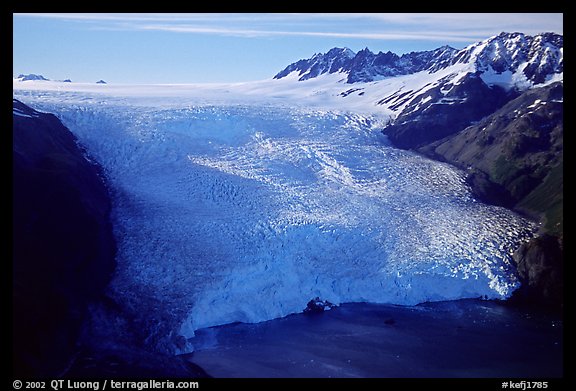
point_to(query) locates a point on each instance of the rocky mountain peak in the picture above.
(529, 60)
(535, 58)
(365, 65)
(31, 76)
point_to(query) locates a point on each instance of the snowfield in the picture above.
(241, 203)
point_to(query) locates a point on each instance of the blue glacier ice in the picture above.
(244, 213)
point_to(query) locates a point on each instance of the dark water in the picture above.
(467, 338)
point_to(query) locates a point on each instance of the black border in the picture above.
(336, 7)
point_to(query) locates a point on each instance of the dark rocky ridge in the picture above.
(445, 114)
(537, 57)
(365, 65)
(63, 247)
(541, 269)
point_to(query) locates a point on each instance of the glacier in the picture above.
(244, 211)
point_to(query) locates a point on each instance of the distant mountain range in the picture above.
(433, 94)
(30, 76)
(529, 59)
(35, 77)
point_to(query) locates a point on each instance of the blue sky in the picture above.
(192, 48)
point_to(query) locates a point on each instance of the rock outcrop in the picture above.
(317, 306)
(31, 76)
(540, 267)
(445, 113)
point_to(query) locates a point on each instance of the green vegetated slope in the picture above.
(518, 150)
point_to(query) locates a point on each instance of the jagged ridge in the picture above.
(366, 66)
(533, 58)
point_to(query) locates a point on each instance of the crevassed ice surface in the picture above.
(245, 213)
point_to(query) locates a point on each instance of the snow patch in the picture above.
(536, 103)
(20, 113)
(553, 78)
(507, 79)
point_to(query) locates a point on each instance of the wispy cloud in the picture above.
(252, 33)
(455, 27)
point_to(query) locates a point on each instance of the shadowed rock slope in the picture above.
(63, 247)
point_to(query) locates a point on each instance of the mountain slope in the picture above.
(432, 94)
(508, 58)
(63, 246)
(518, 147)
(494, 71)
(444, 110)
(366, 66)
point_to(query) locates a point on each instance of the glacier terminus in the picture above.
(245, 212)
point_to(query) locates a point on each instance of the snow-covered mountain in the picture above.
(335, 60)
(506, 57)
(517, 57)
(30, 76)
(432, 94)
(366, 66)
